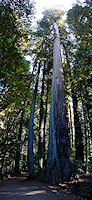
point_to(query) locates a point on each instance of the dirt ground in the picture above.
(18, 188)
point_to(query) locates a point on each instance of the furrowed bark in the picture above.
(58, 160)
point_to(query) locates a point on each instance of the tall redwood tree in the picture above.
(58, 160)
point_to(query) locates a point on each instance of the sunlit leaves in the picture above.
(14, 74)
(80, 22)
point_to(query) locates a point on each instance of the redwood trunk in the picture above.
(58, 160)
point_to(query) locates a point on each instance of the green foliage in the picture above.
(15, 80)
(11, 141)
(15, 77)
(54, 14)
(79, 20)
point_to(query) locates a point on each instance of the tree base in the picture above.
(55, 172)
(31, 176)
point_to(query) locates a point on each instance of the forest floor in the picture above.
(20, 188)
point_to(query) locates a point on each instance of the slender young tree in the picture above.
(17, 158)
(41, 121)
(45, 117)
(58, 159)
(30, 136)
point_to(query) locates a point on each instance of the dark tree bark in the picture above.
(78, 132)
(58, 161)
(90, 131)
(30, 136)
(86, 142)
(17, 159)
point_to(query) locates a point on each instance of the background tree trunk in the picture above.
(78, 132)
(41, 124)
(70, 126)
(30, 136)
(45, 116)
(58, 159)
(17, 158)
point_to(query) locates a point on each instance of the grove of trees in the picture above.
(46, 107)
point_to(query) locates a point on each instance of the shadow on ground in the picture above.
(18, 188)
